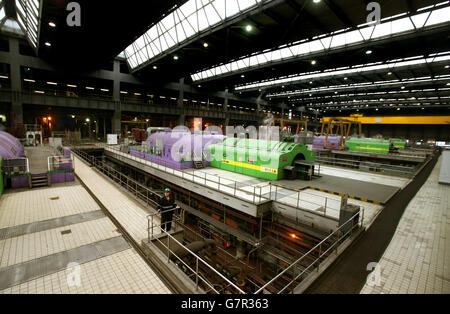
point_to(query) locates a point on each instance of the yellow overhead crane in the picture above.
(412, 120)
(343, 127)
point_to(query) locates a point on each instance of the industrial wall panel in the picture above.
(444, 177)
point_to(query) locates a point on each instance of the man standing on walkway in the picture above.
(167, 207)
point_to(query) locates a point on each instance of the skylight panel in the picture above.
(193, 17)
(28, 17)
(390, 27)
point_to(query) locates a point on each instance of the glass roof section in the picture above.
(389, 27)
(28, 17)
(183, 24)
(360, 69)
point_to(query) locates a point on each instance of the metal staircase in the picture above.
(39, 180)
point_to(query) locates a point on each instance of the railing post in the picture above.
(196, 277)
(153, 226)
(254, 194)
(148, 230)
(298, 199)
(235, 187)
(326, 203)
(168, 246)
(276, 192)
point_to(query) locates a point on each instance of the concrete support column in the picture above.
(16, 83)
(182, 119)
(117, 116)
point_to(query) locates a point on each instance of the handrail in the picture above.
(150, 219)
(254, 196)
(198, 258)
(194, 174)
(318, 246)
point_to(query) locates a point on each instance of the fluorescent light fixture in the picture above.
(192, 19)
(104, 90)
(39, 92)
(52, 83)
(48, 44)
(4, 77)
(70, 85)
(356, 70)
(364, 34)
(122, 92)
(29, 80)
(352, 87)
(51, 24)
(90, 88)
(137, 94)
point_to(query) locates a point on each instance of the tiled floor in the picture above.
(130, 214)
(31, 246)
(418, 257)
(18, 208)
(124, 272)
(121, 272)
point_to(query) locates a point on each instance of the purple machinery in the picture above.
(10, 147)
(333, 142)
(14, 165)
(177, 149)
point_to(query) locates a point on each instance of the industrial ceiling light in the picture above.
(155, 67)
(242, 75)
(249, 28)
(389, 73)
(314, 62)
(51, 24)
(175, 57)
(48, 44)
(316, 1)
(206, 45)
(369, 52)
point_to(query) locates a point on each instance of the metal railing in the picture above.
(143, 192)
(328, 204)
(198, 260)
(9, 169)
(400, 171)
(316, 254)
(253, 195)
(137, 189)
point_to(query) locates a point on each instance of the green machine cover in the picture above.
(258, 158)
(373, 145)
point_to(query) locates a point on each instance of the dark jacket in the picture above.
(167, 204)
